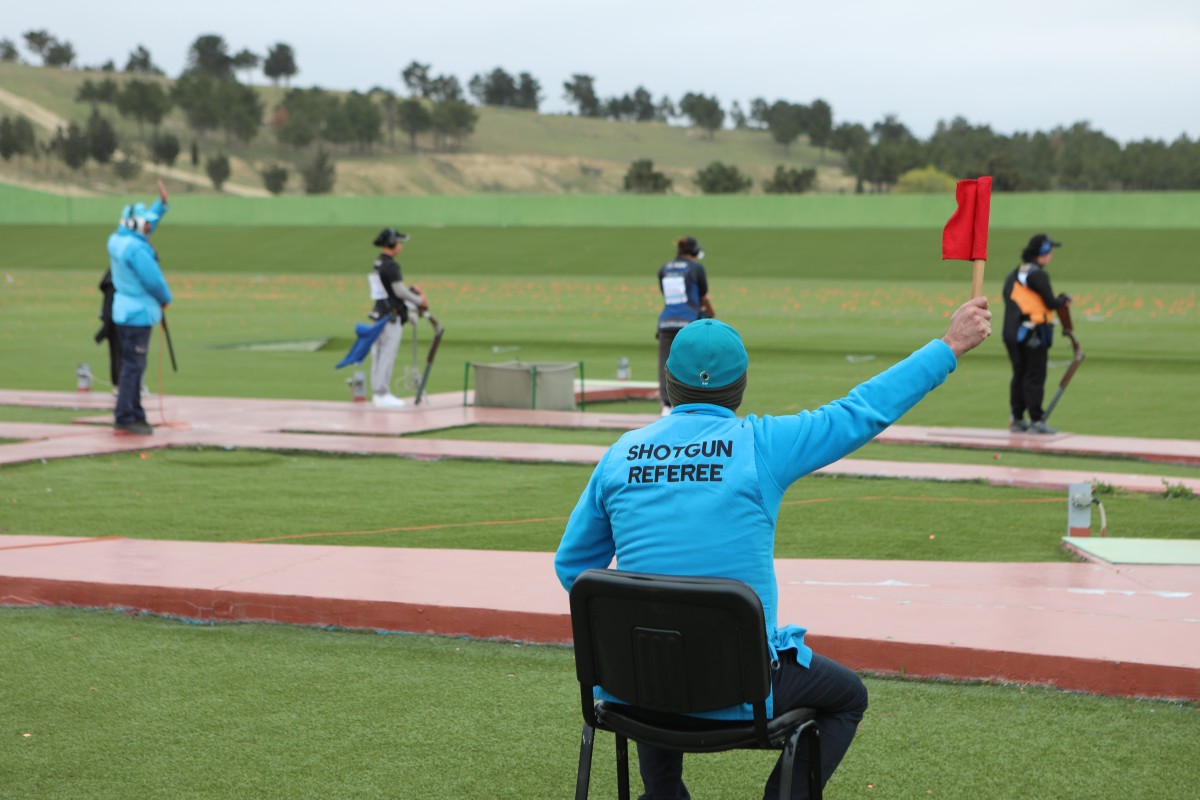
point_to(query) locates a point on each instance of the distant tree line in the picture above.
(1076, 158)
(718, 178)
(212, 100)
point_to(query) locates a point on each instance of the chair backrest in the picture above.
(669, 643)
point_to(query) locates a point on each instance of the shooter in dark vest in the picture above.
(684, 287)
(391, 298)
(1029, 303)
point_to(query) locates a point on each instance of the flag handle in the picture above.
(977, 278)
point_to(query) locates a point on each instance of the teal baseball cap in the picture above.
(707, 354)
(140, 211)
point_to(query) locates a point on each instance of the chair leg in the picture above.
(815, 789)
(622, 767)
(787, 763)
(584, 776)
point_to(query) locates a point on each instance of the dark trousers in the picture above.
(665, 337)
(114, 354)
(1028, 385)
(835, 691)
(135, 344)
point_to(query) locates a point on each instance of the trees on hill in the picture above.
(53, 51)
(790, 181)
(71, 147)
(209, 57)
(210, 98)
(720, 178)
(197, 96)
(704, 112)
(413, 118)
(319, 174)
(581, 90)
(210, 104)
(642, 178)
(820, 124)
(101, 138)
(38, 42)
(636, 107)
(306, 116)
(785, 122)
(275, 178)
(16, 137)
(453, 120)
(140, 62)
(363, 121)
(498, 88)
(280, 63)
(164, 149)
(246, 61)
(444, 88)
(95, 93)
(143, 101)
(218, 170)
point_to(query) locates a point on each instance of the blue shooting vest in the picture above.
(681, 293)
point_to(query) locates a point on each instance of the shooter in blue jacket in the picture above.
(698, 493)
(141, 295)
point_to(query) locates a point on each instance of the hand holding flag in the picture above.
(965, 236)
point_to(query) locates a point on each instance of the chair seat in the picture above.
(696, 734)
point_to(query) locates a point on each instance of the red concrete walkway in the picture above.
(1091, 627)
(1113, 630)
(1166, 451)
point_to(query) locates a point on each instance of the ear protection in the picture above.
(134, 223)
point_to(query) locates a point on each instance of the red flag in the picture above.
(965, 235)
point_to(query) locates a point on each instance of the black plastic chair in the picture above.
(673, 646)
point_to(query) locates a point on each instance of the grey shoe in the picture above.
(1040, 427)
(1018, 426)
(133, 429)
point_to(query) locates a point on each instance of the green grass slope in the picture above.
(511, 151)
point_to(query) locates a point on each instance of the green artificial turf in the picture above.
(54, 416)
(997, 457)
(810, 341)
(241, 495)
(104, 705)
(820, 311)
(527, 434)
(1022, 459)
(881, 256)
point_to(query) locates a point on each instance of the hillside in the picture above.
(511, 152)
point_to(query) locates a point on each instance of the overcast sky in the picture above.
(1130, 68)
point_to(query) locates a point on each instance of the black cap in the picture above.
(1040, 245)
(389, 237)
(688, 246)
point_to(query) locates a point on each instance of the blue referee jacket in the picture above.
(698, 492)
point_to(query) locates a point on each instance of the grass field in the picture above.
(129, 707)
(143, 707)
(814, 322)
(243, 495)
